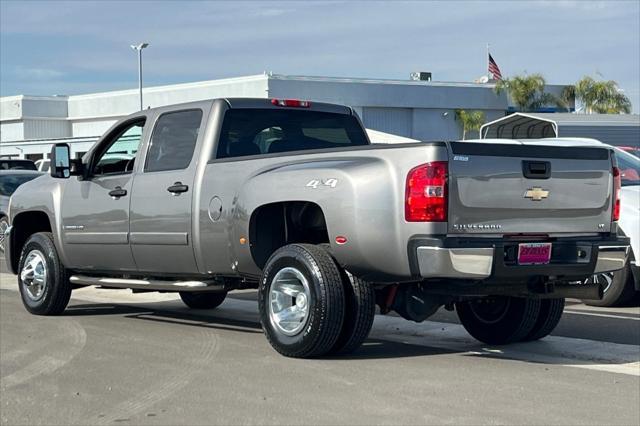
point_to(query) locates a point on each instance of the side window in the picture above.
(173, 141)
(119, 157)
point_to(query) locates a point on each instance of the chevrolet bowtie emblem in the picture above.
(536, 194)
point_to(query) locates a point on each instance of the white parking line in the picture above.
(593, 314)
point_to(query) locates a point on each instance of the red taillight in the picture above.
(293, 103)
(617, 183)
(426, 193)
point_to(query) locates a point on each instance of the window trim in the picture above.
(109, 140)
(155, 126)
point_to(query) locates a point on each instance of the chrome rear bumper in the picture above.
(438, 262)
(611, 258)
(477, 263)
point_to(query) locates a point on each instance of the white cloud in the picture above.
(39, 73)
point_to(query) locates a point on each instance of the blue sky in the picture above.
(76, 47)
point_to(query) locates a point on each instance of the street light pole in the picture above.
(138, 48)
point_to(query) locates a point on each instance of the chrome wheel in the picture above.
(605, 279)
(289, 299)
(33, 275)
(3, 228)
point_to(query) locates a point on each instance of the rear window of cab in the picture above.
(256, 131)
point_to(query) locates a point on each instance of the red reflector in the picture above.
(426, 193)
(617, 183)
(293, 103)
(341, 240)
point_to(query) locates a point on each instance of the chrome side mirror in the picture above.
(60, 161)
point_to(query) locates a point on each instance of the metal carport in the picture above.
(613, 129)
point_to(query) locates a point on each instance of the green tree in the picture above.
(600, 97)
(527, 92)
(469, 120)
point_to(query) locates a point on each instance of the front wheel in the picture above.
(301, 301)
(43, 280)
(498, 320)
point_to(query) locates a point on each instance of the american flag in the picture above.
(493, 69)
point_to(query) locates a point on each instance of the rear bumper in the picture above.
(481, 258)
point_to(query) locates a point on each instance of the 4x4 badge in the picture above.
(536, 194)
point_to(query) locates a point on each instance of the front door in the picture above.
(161, 228)
(95, 209)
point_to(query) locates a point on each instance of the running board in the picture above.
(149, 284)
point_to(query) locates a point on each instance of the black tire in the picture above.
(620, 290)
(320, 328)
(548, 318)
(203, 300)
(359, 313)
(4, 224)
(499, 320)
(56, 290)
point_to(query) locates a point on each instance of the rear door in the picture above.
(160, 224)
(511, 189)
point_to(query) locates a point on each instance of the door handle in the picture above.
(118, 192)
(178, 188)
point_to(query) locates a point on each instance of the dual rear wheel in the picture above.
(499, 320)
(310, 307)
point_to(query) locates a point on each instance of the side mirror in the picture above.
(60, 161)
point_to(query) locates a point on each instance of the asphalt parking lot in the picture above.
(122, 358)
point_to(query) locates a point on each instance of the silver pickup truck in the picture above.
(290, 197)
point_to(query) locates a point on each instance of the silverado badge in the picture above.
(536, 194)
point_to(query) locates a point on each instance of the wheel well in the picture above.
(278, 224)
(24, 225)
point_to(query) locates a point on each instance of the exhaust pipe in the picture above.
(591, 291)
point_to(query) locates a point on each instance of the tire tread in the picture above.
(360, 311)
(548, 318)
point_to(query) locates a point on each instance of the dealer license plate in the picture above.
(534, 253)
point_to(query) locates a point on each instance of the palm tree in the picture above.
(527, 92)
(568, 96)
(470, 120)
(601, 97)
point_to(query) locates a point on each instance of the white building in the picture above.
(423, 110)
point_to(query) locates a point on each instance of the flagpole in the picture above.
(487, 58)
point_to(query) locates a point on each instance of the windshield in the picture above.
(629, 166)
(9, 183)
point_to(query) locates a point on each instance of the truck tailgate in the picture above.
(512, 189)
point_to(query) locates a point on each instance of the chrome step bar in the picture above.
(148, 284)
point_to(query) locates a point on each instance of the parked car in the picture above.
(633, 150)
(621, 286)
(17, 164)
(10, 180)
(43, 164)
(290, 197)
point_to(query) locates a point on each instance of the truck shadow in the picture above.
(372, 348)
(151, 313)
(406, 341)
